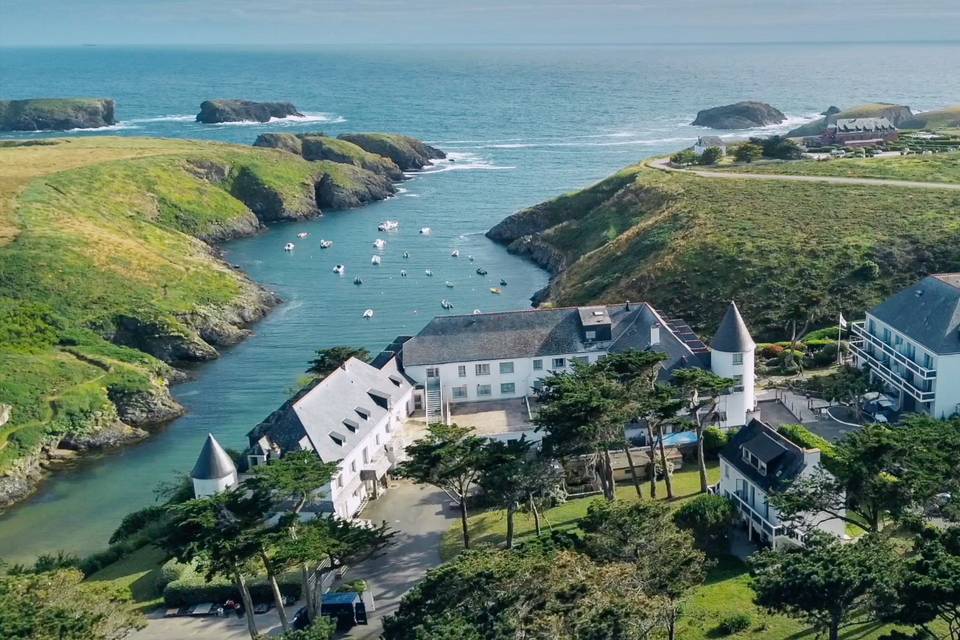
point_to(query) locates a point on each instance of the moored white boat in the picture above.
(289, 246)
(388, 225)
(379, 243)
(446, 304)
(424, 231)
(302, 234)
(455, 253)
(428, 273)
(368, 313)
(326, 244)
(339, 268)
(449, 284)
(375, 260)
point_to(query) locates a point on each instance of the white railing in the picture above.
(860, 331)
(889, 375)
(745, 508)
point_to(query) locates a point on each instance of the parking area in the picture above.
(493, 417)
(208, 628)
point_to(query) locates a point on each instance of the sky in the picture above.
(426, 22)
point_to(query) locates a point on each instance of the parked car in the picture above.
(301, 619)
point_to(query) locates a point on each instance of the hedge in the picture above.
(192, 588)
(800, 435)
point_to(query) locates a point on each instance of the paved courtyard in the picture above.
(492, 417)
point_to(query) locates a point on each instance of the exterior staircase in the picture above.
(433, 405)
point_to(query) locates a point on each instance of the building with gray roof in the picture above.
(214, 470)
(858, 132)
(911, 343)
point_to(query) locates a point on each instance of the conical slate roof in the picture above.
(213, 463)
(732, 335)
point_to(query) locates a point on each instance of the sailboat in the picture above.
(368, 313)
(375, 260)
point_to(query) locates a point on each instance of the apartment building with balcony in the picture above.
(756, 463)
(911, 343)
(505, 355)
(353, 417)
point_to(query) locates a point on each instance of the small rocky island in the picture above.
(740, 115)
(56, 114)
(217, 111)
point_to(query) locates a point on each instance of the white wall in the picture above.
(206, 488)
(738, 403)
(523, 376)
(947, 386)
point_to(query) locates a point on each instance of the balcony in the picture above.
(866, 337)
(744, 507)
(888, 375)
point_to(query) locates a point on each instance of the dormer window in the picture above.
(352, 425)
(363, 412)
(396, 380)
(753, 461)
(590, 335)
(338, 439)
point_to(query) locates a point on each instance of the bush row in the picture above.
(188, 587)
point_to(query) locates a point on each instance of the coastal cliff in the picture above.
(316, 146)
(740, 115)
(56, 114)
(782, 249)
(218, 111)
(895, 113)
(110, 281)
(408, 153)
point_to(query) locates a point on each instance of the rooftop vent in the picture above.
(598, 314)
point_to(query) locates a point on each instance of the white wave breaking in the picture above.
(167, 118)
(463, 161)
(327, 118)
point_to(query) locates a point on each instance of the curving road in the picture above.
(662, 164)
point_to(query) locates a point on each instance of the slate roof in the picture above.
(636, 337)
(732, 335)
(711, 141)
(863, 124)
(328, 412)
(783, 458)
(928, 312)
(214, 463)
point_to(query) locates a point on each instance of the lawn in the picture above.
(490, 527)
(941, 167)
(138, 573)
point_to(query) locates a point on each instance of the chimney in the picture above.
(654, 334)
(628, 305)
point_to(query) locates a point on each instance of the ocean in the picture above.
(522, 123)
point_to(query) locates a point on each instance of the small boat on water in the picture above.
(470, 258)
(428, 273)
(357, 280)
(403, 273)
(503, 282)
(326, 244)
(495, 290)
(379, 243)
(375, 260)
(302, 234)
(405, 255)
(388, 225)
(446, 304)
(481, 271)
(339, 268)
(455, 253)
(368, 313)
(425, 231)
(289, 246)
(449, 284)
(476, 312)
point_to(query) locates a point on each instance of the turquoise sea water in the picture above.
(523, 124)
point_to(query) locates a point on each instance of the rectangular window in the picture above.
(353, 466)
(483, 390)
(340, 481)
(366, 456)
(508, 388)
(462, 371)
(738, 358)
(538, 365)
(482, 369)
(459, 393)
(433, 372)
(506, 367)
(559, 363)
(726, 471)
(591, 335)
(377, 439)
(738, 379)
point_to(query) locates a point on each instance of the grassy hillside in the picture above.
(105, 274)
(895, 113)
(947, 118)
(942, 167)
(783, 250)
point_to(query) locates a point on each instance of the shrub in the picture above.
(134, 523)
(778, 147)
(708, 518)
(710, 155)
(800, 435)
(322, 628)
(748, 152)
(192, 588)
(170, 571)
(734, 623)
(685, 157)
(826, 333)
(826, 356)
(771, 351)
(714, 439)
(96, 561)
(55, 561)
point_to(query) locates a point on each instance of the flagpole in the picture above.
(839, 339)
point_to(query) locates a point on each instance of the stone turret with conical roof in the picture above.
(214, 471)
(732, 355)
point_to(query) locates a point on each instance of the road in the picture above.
(663, 165)
(421, 517)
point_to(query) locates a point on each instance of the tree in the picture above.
(526, 593)
(747, 152)
(710, 155)
(778, 147)
(708, 518)
(293, 480)
(207, 532)
(327, 360)
(665, 561)
(60, 605)
(583, 413)
(450, 458)
(826, 583)
(684, 158)
(845, 386)
(929, 587)
(701, 391)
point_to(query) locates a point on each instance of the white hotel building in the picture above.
(911, 343)
(499, 356)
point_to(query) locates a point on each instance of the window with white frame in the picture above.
(459, 393)
(559, 363)
(737, 358)
(590, 335)
(484, 390)
(508, 388)
(462, 371)
(506, 367)
(433, 372)
(353, 466)
(538, 365)
(482, 369)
